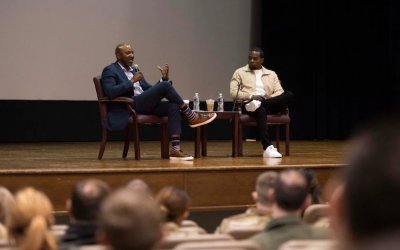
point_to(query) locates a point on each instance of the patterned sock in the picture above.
(190, 114)
(175, 143)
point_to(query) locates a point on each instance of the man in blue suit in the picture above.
(121, 79)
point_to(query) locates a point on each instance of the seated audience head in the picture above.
(139, 185)
(174, 204)
(30, 220)
(87, 196)
(291, 191)
(264, 193)
(314, 190)
(365, 207)
(129, 220)
(6, 202)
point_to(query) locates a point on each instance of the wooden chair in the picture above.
(132, 130)
(278, 120)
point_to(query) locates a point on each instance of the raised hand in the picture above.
(164, 72)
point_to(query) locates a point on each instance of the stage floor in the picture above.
(215, 182)
(82, 156)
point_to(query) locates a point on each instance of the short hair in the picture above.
(372, 180)
(86, 199)
(139, 185)
(130, 220)
(265, 182)
(119, 46)
(173, 201)
(291, 194)
(259, 50)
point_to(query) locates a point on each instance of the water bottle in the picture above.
(196, 102)
(220, 102)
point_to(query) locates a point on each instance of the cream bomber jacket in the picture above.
(245, 79)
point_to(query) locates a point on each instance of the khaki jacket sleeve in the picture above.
(236, 82)
(275, 88)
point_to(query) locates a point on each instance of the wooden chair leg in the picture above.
(197, 142)
(164, 141)
(287, 140)
(240, 140)
(136, 139)
(277, 135)
(127, 141)
(102, 143)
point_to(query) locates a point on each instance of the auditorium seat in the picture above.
(244, 232)
(219, 245)
(170, 242)
(132, 129)
(309, 245)
(189, 223)
(93, 247)
(317, 214)
(59, 230)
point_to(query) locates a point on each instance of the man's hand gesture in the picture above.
(164, 72)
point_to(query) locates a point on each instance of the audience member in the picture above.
(129, 220)
(291, 190)
(6, 203)
(122, 78)
(139, 185)
(257, 217)
(365, 210)
(314, 188)
(84, 207)
(30, 220)
(174, 205)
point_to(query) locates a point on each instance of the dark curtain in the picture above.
(340, 58)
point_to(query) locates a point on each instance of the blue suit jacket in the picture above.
(116, 84)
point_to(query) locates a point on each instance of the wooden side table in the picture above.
(201, 134)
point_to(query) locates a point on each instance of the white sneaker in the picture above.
(271, 152)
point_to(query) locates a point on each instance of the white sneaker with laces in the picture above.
(271, 152)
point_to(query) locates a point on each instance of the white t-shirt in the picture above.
(259, 84)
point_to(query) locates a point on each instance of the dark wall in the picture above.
(340, 58)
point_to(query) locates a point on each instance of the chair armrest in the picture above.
(128, 101)
(118, 99)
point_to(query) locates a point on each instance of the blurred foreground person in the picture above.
(30, 221)
(291, 192)
(6, 203)
(129, 220)
(365, 210)
(258, 216)
(174, 205)
(84, 207)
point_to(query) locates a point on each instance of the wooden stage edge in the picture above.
(215, 182)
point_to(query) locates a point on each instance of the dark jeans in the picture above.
(149, 103)
(272, 105)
